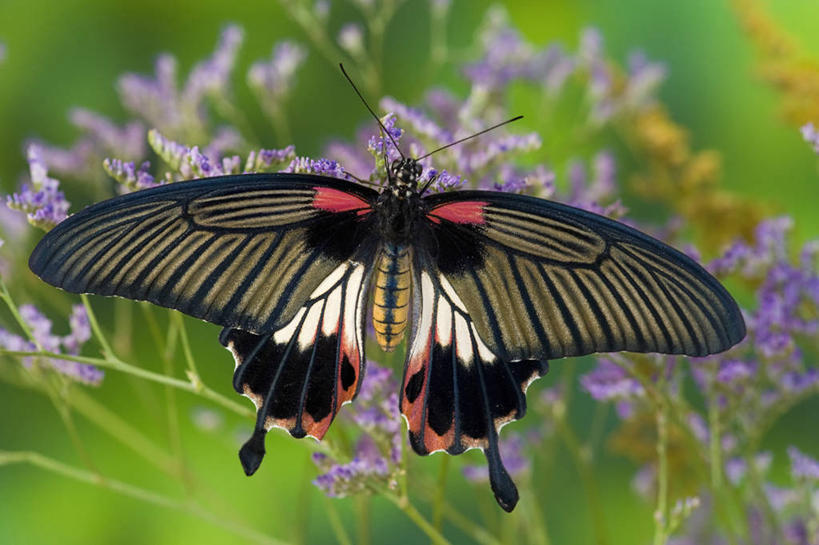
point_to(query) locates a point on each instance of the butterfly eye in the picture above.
(418, 168)
(396, 164)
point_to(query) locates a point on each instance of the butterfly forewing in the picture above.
(241, 252)
(543, 280)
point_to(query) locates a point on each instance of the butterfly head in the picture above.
(404, 173)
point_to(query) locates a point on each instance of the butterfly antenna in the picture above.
(394, 143)
(456, 142)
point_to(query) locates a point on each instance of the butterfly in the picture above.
(491, 286)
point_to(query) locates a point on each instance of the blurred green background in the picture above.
(69, 53)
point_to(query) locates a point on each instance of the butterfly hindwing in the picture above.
(456, 392)
(238, 251)
(544, 280)
(299, 375)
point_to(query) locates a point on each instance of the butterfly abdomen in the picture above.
(392, 292)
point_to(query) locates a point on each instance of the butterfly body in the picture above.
(391, 295)
(491, 285)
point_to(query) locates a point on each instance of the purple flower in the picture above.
(506, 55)
(42, 201)
(420, 125)
(128, 141)
(802, 465)
(811, 135)
(128, 175)
(269, 160)
(367, 471)
(511, 450)
(154, 99)
(326, 167)
(376, 143)
(207, 419)
(644, 79)
(351, 40)
(212, 76)
(609, 381)
(80, 330)
(40, 328)
(734, 371)
(272, 79)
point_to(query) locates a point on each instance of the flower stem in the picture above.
(118, 365)
(336, 523)
(661, 513)
(95, 328)
(142, 494)
(404, 505)
(440, 490)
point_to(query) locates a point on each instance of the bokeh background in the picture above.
(70, 53)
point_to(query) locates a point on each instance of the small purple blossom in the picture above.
(644, 78)
(376, 144)
(272, 79)
(212, 76)
(511, 450)
(207, 419)
(351, 40)
(365, 473)
(128, 175)
(420, 125)
(802, 465)
(80, 330)
(269, 160)
(734, 371)
(811, 135)
(42, 201)
(154, 99)
(326, 167)
(127, 141)
(609, 381)
(40, 328)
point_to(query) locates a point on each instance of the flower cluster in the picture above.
(45, 340)
(811, 136)
(378, 452)
(41, 199)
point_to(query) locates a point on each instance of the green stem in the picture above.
(196, 387)
(6, 297)
(585, 470)
(661, 514)
(404, 505)
(440, 493)
(108, 421)
(95, 328)
(185, 341)
(336, 523)
(466, 525)
(362, 508)
(142, 494)
(715, 446)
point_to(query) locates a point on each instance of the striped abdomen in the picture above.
(392, 292)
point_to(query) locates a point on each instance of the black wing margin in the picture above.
(543, 280)
(240, 251)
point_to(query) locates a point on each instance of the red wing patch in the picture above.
(335, 200)
(459, 212)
